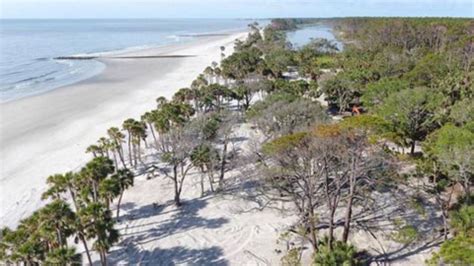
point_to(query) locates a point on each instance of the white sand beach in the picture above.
(48, 133)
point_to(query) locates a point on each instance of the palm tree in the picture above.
(218, 74)
(209, 72)
(59, 184)
(57, 218)
(127, 125)
(104, 145)
(125, 180)
(160, 101)
(92, 174)
(222, 52)
(203, 157)
(109, 189)
(149, 118)
(63, 256)
(101, 228)
(138, 132)
(95, 150)
(117, 138)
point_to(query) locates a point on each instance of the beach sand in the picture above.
(47, 134)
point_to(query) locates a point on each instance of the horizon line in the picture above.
(234, 18)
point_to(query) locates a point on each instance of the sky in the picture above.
(231, 8)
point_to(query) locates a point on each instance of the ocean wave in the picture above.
(37, 77)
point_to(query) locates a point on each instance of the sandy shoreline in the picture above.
(46, 134)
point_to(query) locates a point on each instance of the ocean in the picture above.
(28, 47)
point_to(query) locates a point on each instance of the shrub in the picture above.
(341, 254)
(405, 235)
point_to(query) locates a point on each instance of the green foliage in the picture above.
(291, 258)
(297, 88)
(259, 107)
(63, 256)
(204, 155)
(429, 68)
(418, 205)
(372, 125)
(281, 24)
(40, 237)
(282, 118)
(460, 249)
(340, 90)
(405, 235)
(377, 92)
(277, 61)
(462, 220)
(341, 254)
(411, 114)
(240, 64)
(456, 251)
(462, 112)
(453, 148)
(284, 143)
(314, 56)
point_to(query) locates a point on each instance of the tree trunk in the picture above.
(222, 170)
(312, 230)
(348, 218)
(412, 149)
(135, 155)
(118, 204)
(103, 259)
(86, 248)
(153, 134)
(130, 148)
(247, 102)
(120, 153)
(177, 200)
(139, 152)
(331, 227)
(211, 178)
(115, 161)
(445, 224)
(60, 239)
(202, 185)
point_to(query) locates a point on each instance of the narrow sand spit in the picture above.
(48, 133)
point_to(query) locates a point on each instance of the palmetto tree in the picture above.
(124, 178)
(95, 150)
(160, 101)
(149, 119)
(109, 189)
(56, 219)
(205, 158)
(127, 125)
(138, 131)
(67, 183)
(209, 72)
(91, 175)
(63, 256)
(101, 228)
(104, 145)
(218, 74)
(117, 138)
(39, 236)
(222, 48)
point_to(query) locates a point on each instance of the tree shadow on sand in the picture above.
(132, 255)
(181, 219)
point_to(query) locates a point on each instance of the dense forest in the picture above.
(393, 111)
